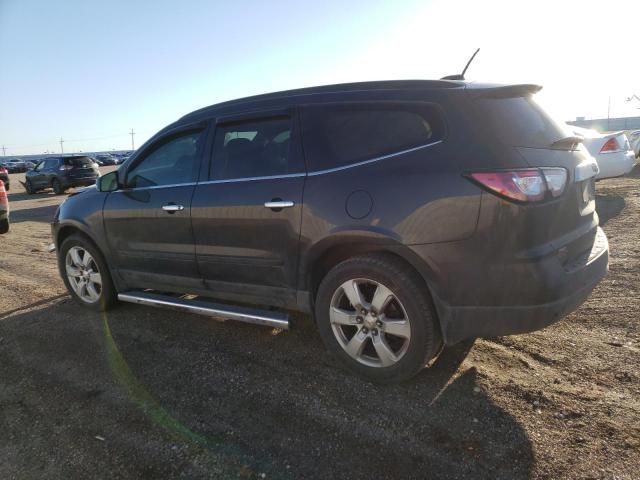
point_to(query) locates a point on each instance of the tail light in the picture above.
(526, 185)
(610, 145)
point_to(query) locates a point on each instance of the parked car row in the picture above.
(15, 165)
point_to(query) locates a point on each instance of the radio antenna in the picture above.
(460, 76)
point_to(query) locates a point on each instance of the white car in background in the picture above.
(634, 140)
(612, 151)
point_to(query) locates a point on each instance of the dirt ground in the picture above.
(147, 393)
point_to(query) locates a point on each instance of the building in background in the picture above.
(608, 124)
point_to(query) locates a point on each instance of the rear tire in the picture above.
(391, 331)
(57, 187)
(85, 273)
(4, 225)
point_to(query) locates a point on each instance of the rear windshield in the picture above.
(78, 161)
(520, 121)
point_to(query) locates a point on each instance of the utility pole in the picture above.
(132, 133)
(4, 151)
(609, 114)
(61, 146)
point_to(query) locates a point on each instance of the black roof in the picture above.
(328, 89)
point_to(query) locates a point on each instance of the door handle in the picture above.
(277, 204)
(172, 208)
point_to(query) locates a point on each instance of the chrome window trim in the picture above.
(290, 175)
(154, 187)
(252, 179)
(375, 159)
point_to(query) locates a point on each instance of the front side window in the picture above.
(340, 135)
(255, 148)
(172, 162)
(51, 164)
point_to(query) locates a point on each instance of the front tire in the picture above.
(29, 188)
(375, 315)
(85, 273)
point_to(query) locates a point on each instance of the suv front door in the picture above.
(44, 173)
(246, 217)
(148, 220)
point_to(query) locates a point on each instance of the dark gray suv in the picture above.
(402, 215)
(61, 173)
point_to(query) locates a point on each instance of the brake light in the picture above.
(524, 185)
(610, 145)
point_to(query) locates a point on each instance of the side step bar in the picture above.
(231, 312)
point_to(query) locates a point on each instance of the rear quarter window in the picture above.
(339, 135)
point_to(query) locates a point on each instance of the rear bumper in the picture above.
(615, 164)
(565, 287)
(78, 182)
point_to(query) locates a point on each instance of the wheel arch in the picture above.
(66, 230)
(331, 252)
(70, 228)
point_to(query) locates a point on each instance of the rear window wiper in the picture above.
(567, 143)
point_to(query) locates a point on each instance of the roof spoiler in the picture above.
(504, 91)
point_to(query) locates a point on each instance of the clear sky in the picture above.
(90, 70)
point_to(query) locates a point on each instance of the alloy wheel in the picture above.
(370, 323)
(83, 274)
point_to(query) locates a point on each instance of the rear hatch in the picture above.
(531, 137)
(80, 167)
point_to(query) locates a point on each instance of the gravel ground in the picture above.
(147, 393)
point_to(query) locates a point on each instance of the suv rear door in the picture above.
(80, 169)
(148, 221)
(246, 216)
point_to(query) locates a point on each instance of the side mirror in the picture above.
(108, 182)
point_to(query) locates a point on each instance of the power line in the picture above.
(21, 147)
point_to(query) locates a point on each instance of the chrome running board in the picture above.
(230, 312)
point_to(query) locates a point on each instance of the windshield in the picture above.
(78, 161)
